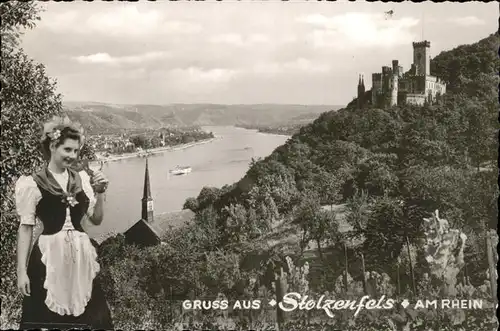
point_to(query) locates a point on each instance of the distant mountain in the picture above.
(100, 116)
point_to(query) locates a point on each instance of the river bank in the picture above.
(285, 130)
(289, 135)
(152, 151)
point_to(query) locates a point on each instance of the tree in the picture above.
(191, 204)
(431, 188)
(139, 141)
(28, 99)
(329, 187)
(237, 226)
(358, 215)
(208, 196)
(481, 213)
(155, 142)
(279, 187)
(375, 174)
(206, 230)
(305, 216)
(482, 134)
(16, 15)
(332, 155)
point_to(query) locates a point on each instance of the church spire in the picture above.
(147, 200)
(361, 92)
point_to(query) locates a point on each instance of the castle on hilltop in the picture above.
(393, 86)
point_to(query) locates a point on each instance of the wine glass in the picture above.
(90, 170)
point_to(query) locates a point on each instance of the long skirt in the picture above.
(36, 314)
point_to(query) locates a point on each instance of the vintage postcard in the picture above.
(249, 165)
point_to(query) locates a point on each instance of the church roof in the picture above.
(162, 223)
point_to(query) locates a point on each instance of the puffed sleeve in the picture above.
(89, 192)
(27, 197)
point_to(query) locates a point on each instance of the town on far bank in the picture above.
(121, 142)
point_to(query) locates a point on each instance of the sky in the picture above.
(247, 52)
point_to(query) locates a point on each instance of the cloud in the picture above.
(239, 40)
(358, 30)
(304, 65)
(59, 21)
(202, 76)
(466, 21)
(129, 74)
(300, 65)
(105, 58)
(126, 21)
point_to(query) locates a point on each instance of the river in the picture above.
(222, 161)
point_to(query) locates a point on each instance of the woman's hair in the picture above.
(57, 131)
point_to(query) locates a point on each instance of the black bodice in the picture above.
(51, 210)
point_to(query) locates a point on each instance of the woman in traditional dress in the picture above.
(58, 276)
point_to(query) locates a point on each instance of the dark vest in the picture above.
(51, 210)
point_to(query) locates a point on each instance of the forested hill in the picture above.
(348, 195)
(470, 69)
(401, 163)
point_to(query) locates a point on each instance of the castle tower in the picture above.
(147, 200)
(361, 92)
(421, 57)
(376, 88)
(394, 82)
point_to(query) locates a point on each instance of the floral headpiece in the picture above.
(54, 135)
(52, 129)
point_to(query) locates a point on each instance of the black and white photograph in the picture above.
(249, 165)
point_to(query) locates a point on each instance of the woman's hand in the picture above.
(99, 182)
(23, 283)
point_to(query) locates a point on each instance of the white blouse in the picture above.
(68, 255)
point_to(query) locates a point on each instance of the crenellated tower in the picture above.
(147, 199)
(376, 89)
(394, 82)
(421, 57)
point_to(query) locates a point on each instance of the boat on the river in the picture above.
(181, 170)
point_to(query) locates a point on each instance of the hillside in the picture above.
(405, 160)
(347, 194)
(470, 69)
(99, 116)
